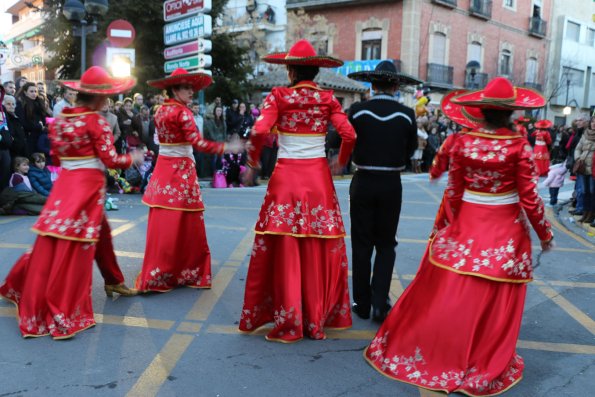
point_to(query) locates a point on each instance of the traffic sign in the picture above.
(199, 61)
(187, 29)
(176, 9)
(121, 33)
(185, 49)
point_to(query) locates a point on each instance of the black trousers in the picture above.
(375, 207)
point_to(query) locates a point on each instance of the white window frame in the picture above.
(578, 39)
(510, 63)
(511, 8)
(433, 44)
(535, 78)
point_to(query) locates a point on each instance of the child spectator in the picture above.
(19, 198)
(19, 180)
(555, 180)
(39, 175)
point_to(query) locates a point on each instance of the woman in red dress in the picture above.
(177, 252)
(455, 327)
(541, 150)
(298, 271)
(51, 284)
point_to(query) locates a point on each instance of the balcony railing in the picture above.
(535, 86)
(239, 18)
(480, 80)
(440, 74)
(537, 27)
(448, 3)
(295, 4)
(23, 26)
(481, 8)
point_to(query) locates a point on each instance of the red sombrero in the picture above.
(302, 53)
(501, 94)
(470, 117)
(180, 76)
(97, 81)
(543, 124)
(521, 119)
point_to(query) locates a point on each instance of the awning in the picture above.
(26, 35)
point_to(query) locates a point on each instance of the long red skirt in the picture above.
(453, 333)
(176, 253)
(300, 284)
(51, 287)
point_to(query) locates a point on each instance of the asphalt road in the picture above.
(184, 343)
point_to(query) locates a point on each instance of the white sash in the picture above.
(491, 199)
(301, 146)
(93, 163)
(183, 150)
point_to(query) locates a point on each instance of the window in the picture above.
(506, 63)
(576, 76)
(531, 73)
(510, 4)
(371, 44)
(438, 54)
(591, 37)
(573, 31)
(474, 52)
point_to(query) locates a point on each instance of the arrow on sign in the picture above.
(194, 62)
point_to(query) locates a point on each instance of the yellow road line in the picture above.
(418, 218)
(574, 312)
(552, 218)
(223, 227)
(396, 287)
(571, 284)
(219, 207)
(192, 328)
(129, 321)
(8, 311)
(12, 245)
(208, 299)
(127, 226)
(429, 192)
(556, 347)
(430, 393)
(117, 220)
(6, 220)
(149, 383)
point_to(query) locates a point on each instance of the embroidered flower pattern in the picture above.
(51, 220)
(61, 324)
(413, 368)
(194, 277)
(300, 219)
(180, 191)
(159, 279)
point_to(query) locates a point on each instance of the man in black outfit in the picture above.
(386, 139)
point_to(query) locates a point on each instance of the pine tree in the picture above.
(229, 67)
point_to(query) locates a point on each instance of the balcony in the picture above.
(23, 28)
(480, 80)
(447, 3)
(537, 27)
(239, 19)
(295, 4)
(535, 86)
(481, 9)
(439, 75)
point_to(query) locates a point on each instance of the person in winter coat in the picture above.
(39, 175)
(584, 153)
(555, 180)
(32, 111)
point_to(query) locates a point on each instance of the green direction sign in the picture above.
(201, 61)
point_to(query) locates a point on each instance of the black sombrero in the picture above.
(385, 71)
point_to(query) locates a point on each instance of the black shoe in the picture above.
(379, 314)
(575, 213)
(360, 311)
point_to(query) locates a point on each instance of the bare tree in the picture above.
(315, 29)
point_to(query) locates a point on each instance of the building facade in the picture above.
(26, 50)
(435, 40)
(571, 76)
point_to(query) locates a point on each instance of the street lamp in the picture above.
(77, 13)
(472, 68)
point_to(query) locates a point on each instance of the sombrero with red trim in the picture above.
(521, 119)
(499, 93)
(197, 80)
(470, 117)
(97, 81)
(303, 54)
(543, 124)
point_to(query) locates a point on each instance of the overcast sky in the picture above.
(5, 18)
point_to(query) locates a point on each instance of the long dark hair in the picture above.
(307, 73)
(218, 120)
(31, 106)
(497, 118)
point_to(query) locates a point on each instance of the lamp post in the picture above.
(472, 68)
(84, 16)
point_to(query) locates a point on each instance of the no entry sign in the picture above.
(121, 33)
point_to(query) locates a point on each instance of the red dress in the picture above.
(541, 151)
(51, 284)
(298, 270)
(176, 252)
(456, 326)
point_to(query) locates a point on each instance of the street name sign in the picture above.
(199, 61)
(187, 29)
(176, 9)
(186, 49)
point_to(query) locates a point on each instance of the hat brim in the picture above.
(526, 98)
(372, 76)
(542, 124)
(322, 61)
(116, 86)
(198, 81)
(467, 117)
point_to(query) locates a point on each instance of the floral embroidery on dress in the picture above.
(251, 319)
(183, 191)
(65, 325)
(80, 227)
(300, 219)
(287, 318)
(483, 179)
(259, 245)
(449, 248)
(193, 277)
(159, 279)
